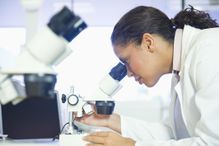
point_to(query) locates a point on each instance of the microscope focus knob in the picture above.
(73, 99)
(64, 98)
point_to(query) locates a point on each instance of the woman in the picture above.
(151, 45)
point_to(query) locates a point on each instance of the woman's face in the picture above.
(144, 64)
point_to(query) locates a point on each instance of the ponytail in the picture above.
(195, 18)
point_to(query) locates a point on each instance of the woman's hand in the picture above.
(110, 121)
(108, 139)
(95, 120)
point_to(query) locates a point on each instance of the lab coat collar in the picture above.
(177, 51)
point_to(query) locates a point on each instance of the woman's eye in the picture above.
(125, 62)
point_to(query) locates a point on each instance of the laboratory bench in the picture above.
(28, 143)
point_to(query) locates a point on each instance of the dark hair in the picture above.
(142, 19)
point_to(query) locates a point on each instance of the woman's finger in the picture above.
(100, 134)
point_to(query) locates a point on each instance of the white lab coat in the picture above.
(198, 92)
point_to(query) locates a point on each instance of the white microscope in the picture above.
(45, 49)
(38, 57)
(101, 99)
(35, 63)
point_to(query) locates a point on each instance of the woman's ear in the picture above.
(148, 42)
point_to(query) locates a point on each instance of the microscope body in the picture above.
(108, 87)
(102, 103)
(101, 99)
(38, 57)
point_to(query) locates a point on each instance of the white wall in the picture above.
(94, 12)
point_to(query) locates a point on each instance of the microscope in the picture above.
(35, 63)
(41, 53)
(101, 101)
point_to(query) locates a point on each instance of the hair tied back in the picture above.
(173, 22)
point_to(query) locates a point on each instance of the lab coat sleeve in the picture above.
(184, 142)
(206, 80)
(141, 130)
(153, 134)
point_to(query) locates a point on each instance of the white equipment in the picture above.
(45, 49)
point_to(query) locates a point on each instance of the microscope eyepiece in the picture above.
(66, 24)
(118, 72)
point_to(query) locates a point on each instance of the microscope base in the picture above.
(71, 139)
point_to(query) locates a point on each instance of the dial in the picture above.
(73, 99)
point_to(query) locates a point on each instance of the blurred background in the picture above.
(93, 56)
(98, 12)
